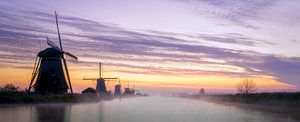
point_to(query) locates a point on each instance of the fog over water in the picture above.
(142, 109)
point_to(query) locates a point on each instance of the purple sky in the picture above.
(238, 38)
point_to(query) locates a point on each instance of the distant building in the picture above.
(89, 91)
(202, 91)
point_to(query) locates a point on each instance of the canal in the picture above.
(140, 109)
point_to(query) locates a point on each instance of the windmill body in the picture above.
(117, 89)
(51, 78)
(101, 87)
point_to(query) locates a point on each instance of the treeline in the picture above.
(12, 94)
(246, 94)
(10, 88)
(23, 97)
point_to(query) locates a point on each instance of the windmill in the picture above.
(129, 91)
(101, 82)
(50, 72)
(118, 91)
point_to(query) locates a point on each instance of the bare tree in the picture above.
(246, 86)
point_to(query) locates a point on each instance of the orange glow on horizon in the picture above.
(21, 78)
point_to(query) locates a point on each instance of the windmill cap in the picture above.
(50, 52)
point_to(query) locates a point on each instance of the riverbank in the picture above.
(282, 103)
(23, 97)
(284, 111)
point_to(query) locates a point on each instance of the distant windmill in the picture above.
(101, 85)
(50, 69)
(129, 91)
(118, 90)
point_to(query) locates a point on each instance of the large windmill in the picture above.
(101, 82)
(50, 72)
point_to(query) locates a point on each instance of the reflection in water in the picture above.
(17, 114)
(51, 113)
(142, 109)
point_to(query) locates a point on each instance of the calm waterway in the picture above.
(141, 109)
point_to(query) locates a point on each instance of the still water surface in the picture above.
(141, 109)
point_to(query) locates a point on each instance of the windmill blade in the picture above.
(58, 33)
(67, 74)
(34, 72)
(64, 60)
(110, 78)
(52, 44)
(71, 55)
(120, 96)
(100, 69)
(90, 78)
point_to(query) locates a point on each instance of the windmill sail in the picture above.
(71, 55)
(52, 44)
(34, 72)
(63, 58)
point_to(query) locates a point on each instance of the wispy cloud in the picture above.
(239, 12)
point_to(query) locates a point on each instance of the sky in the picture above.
(158, 45)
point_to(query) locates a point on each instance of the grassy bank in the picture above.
(23, 97)
(285, 99)
(284, 103)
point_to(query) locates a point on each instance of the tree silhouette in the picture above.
(9, 88)
(246, 86)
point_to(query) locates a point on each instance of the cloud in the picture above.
(238, 12)
(147, 52)
(234, 38)
(285, 69)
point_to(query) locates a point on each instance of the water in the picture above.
(142, 109)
